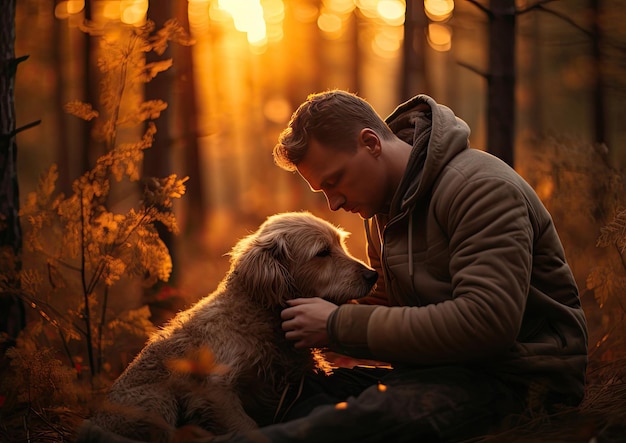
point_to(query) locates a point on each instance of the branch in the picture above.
(21, 59)
(101, 328)
(475, 70)
(539, 6)
(481, 7)
(10, 66)
(84, 283)
(39, 304)
(25, 127)
(47, 422)
(14, 132)
(620, 253)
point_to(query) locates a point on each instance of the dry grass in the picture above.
(601, 417)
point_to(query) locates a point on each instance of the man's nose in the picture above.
(335, 201)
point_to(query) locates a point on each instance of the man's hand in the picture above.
(304, 321)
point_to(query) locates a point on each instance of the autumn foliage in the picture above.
(80, 254)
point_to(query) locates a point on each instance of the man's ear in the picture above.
(369, 139)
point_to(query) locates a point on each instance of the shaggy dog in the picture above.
(224, 364)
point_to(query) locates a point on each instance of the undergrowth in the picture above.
(82, 258)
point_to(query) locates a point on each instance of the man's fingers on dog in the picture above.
(288, 314)
(295, 337)
(288, 325)
(292, 335)
(302, 301)
(291, 312)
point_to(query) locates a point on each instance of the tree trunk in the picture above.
(501, 84)
(414, 79)
(187, 126)
(598, 85)
(91, 150)
(12, 316)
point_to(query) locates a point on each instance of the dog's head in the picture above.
(295, 255)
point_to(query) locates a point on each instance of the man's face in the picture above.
(351, 180)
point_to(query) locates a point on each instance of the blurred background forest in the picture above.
(541, 83)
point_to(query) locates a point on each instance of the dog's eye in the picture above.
(323, 253)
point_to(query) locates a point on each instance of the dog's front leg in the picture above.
(219, 410)
(235, 418)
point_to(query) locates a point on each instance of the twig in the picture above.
(24, 128)
(474, 70)
(621, 256)
(534, 6)
(101, 326)
(123, 73)
(39, 304)
(44, 419)
(84, 283)
(540, 7)
(10, 66)
(481, 7)
(33, 302)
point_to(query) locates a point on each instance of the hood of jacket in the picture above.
(437, 136)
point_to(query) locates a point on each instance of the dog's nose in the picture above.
(370, 276)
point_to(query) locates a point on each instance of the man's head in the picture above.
(333, 118)
(341, 147)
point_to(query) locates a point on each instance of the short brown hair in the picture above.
(332, 117)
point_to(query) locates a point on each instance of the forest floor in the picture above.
(601, 418)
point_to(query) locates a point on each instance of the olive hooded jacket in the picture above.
(472, 268)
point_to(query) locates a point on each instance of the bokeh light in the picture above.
(392, 11)
(369, 8)
(198, 15)
(439, 37)
(331, 24)
(133, 12)
(111, 10)
(66, 8)
(248, 17)
(274, 14)
(387, 42)
(439, 10)
(305, 12)
(277, 110)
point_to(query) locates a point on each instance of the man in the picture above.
(476, 307)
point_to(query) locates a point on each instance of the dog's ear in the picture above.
(260, 263)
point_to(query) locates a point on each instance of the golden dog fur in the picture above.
(223, 364)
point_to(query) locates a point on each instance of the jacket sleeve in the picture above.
(490, 232)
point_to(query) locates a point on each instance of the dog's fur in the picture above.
(224, 363)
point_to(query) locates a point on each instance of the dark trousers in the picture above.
(368, 405)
